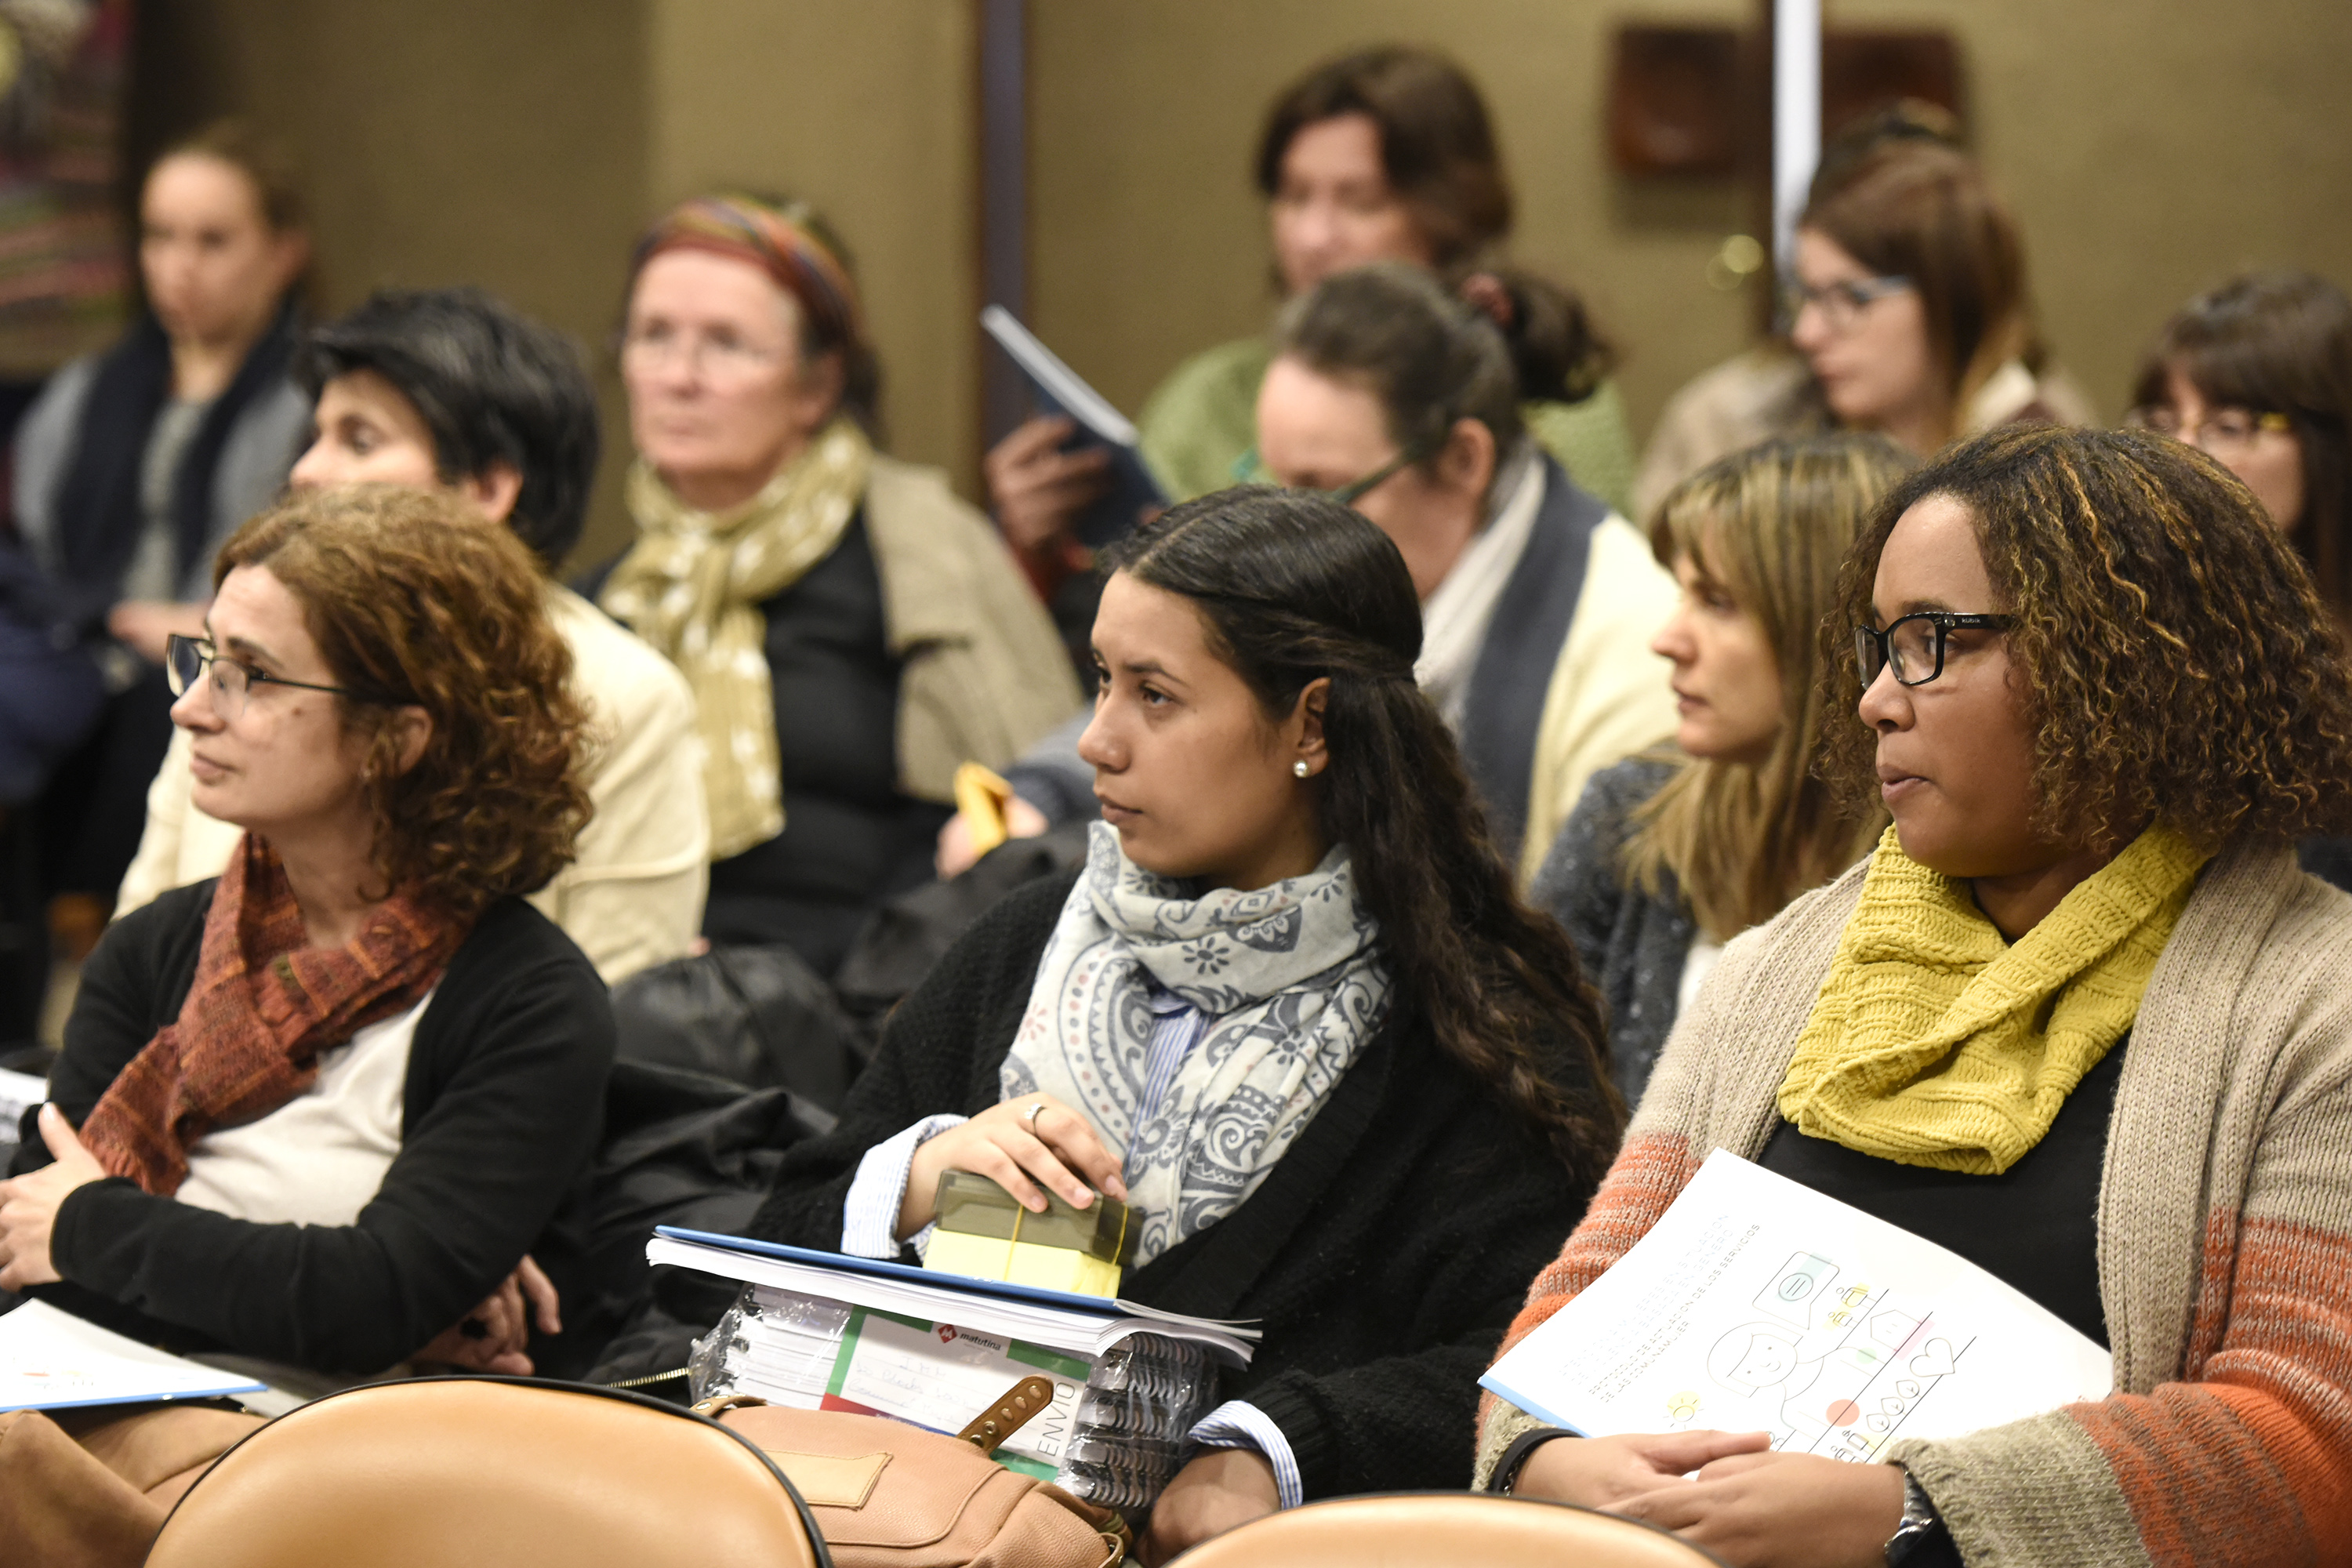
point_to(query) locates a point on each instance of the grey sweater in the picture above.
(1633, 945)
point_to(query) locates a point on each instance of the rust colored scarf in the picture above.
(263, 1005)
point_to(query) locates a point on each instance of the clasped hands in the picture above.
(1750, 1506)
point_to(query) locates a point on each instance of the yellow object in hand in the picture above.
(980, 797)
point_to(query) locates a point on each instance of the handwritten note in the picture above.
(1756, 1303)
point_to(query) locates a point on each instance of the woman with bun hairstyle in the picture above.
(1386, 153)
(1289, 1010)
(2079, 1018)
(1397, 399)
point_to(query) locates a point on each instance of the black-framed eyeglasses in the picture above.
(1913, 645)
(185, 659)
(1250, 468)
(2225, 430)
(1841, 303)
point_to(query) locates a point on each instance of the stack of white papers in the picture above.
(1077, 1325)
(1756, 1303)
(49, 1359)
(822, 1331)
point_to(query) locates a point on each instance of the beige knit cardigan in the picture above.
(2224, 1236)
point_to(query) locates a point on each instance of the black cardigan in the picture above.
(1384, 1256)
(503, 1103)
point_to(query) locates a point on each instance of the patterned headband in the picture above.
(752, 231)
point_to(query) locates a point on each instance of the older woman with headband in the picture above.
(2079, 1018)
(852, 631)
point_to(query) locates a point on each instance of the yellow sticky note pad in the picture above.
(981, 1231)
(1021, 1263)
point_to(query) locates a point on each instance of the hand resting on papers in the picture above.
(1057, 1148)
(1751, 1507)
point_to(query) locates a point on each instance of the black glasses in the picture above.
(1842, 303)
(1913, 645)
(1250, 468)
(185, 660)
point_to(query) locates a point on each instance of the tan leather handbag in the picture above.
(887, 1495)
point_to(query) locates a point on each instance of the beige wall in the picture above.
(444, 142)
(865, 108)
(520, 145)
(523, 144)
(2147, 157)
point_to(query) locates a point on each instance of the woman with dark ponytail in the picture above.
(1291, 1012)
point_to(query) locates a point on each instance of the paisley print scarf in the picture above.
(1291, 981)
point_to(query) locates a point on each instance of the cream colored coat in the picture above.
(982, 673)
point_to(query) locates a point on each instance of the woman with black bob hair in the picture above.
(1290, 1011)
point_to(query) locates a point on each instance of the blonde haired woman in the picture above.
(1670, 855)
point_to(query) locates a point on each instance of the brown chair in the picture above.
(438, 1472)
(1424, 1530)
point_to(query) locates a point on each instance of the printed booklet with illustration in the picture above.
(1756, 1303)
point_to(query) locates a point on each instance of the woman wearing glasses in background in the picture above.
(2258, 372)
(311, 1115)
(1908, 313)
(2079, 1018)
(1391, 396)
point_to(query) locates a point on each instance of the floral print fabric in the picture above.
(1291, 980)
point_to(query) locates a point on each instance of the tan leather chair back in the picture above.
(440, 1472)
(1410, 1530)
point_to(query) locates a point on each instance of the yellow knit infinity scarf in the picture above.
(692, 587)
(1935, 1042)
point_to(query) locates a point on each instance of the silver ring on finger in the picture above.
(1035, 1112)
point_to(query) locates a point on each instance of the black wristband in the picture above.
(1921, 1541)
(1515, 1457)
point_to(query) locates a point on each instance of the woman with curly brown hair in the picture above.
(308, 1115)
(2080, 1019)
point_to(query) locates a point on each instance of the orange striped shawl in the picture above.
(2225, 1223)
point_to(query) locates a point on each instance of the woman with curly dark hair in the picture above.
(310, 1114)
(2080, 1019)
(1291, 1012)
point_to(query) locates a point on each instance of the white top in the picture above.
(318, 1158)
(1697, 965)
(633, 898)
(1454, 617)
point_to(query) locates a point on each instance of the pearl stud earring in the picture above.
(1300, 768)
